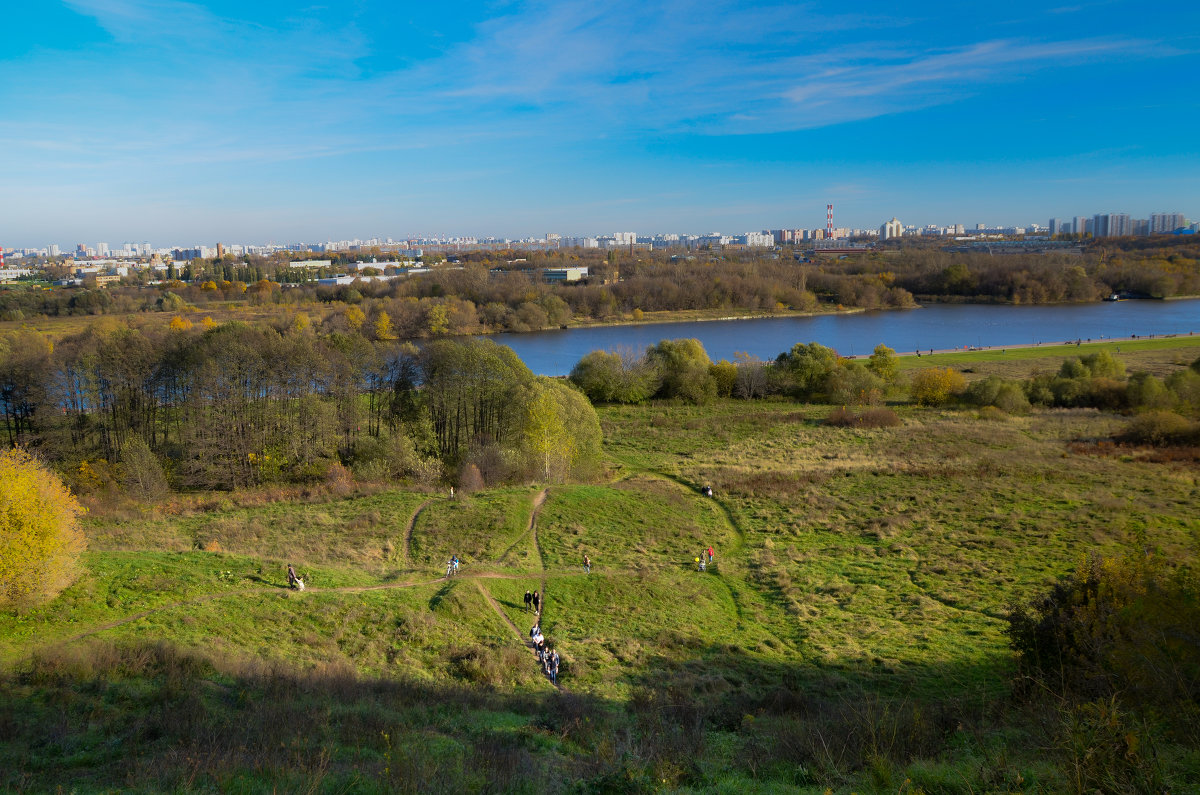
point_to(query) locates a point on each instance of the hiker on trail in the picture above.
(534, 631)
(587, 564)
(292, 578)
(706, 491)
(537, 603)
(554, 667)
(528, 600)
(710, 554)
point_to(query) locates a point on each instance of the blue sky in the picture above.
(181, 122)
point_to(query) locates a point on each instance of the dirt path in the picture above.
(521, 636)
(537, 508)
(277, 590)
(537, 505)
(408, 531)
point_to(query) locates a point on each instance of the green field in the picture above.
(849, 636)
(1160, 356)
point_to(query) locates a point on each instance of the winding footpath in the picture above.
(408, 531)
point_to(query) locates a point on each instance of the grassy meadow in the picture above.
(848, 638)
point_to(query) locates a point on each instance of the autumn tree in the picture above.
(883, 363)
(935, 386)
(40, 539)
(561, 434)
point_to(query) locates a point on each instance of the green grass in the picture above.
(849, 635)
(1160, 356)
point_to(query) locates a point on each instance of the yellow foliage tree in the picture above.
(936, 385)
(383, 327)
(40, 539)
(355, 317)
(180, 323)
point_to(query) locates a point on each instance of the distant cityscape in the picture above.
(1096, 226)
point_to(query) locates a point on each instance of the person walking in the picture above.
(587, 564)
(528, 600)
(537, 603)
(710, 554)
(292, 578)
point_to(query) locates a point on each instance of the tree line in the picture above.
(1166, 410)
(483, 292)
(233, 405)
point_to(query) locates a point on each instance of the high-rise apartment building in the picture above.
(1056, 226)
(891, 229)
(1111, 225)
(1080, 227)
(1164, 223)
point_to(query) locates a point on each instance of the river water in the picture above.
(938, 326)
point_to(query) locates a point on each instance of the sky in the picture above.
(192, 122)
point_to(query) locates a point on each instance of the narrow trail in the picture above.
(278, 591)
(523, 638)
(738, 550)
(537, 506)
(408, 531)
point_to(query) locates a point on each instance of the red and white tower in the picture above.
(828, 221)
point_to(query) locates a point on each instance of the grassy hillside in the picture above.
(849, 635)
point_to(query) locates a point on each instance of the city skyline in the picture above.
(166, 120)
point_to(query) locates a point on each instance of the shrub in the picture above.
(1116, 626)
(615, 377)
(883, 363)
(802, 371)
(725, 375)
(853, 383)
(936, 386)
(684, 367)
(871, 418)
(40, 539)
(469, 479)
(1145, 391)
(1185, 387)
(1160, 428)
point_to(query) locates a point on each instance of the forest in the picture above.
(235, 405)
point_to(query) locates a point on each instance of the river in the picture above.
(938, 326)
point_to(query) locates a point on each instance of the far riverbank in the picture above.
(949, 328)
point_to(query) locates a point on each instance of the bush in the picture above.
(615, 377)
(40, 539)
(1160, 428)
(852, 383)
(871, 418)
(1145, 391)
(1115, 627)
(684, 367)
(936, 386)
(469, 479)
(1185, 387)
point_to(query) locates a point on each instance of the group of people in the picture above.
(293, 580)
(452, 566)
(704, 558)
(547, 657)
